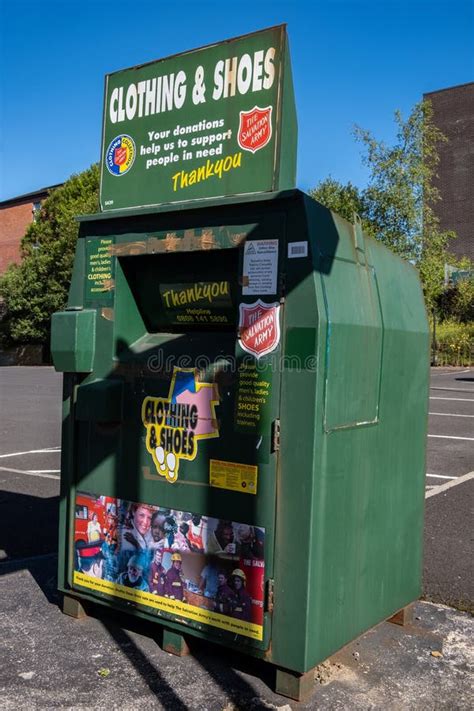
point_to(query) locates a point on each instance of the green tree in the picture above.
(397, 205)
(345, 200)
(464, 299)
(457, 300)
(38, 286)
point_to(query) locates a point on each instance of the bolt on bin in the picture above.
(245, 384)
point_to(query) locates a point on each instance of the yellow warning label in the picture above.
(172, 607)
(233, 476)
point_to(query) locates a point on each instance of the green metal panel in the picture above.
(354, 345)
(73, 335)
(359, 516)
(100, 401)
(341, 501)
(108, 431)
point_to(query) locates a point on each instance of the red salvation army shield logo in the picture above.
(259, 327)
(255, 129)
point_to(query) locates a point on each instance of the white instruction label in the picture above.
(297, 250)
(260, 267)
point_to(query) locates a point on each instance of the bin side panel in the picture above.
(301, 390)
(353, 346)
(369, 480)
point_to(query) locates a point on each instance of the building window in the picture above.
(35, 210)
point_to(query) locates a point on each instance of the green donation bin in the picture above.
(245, 392)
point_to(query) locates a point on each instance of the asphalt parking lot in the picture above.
(449, 537)
(450, 452)
(37, 635)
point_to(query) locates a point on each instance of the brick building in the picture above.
(453, 113)
(15, 216)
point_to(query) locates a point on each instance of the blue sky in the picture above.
(354, 61)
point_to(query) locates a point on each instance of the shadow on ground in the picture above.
(29, 538)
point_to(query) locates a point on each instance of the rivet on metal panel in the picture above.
(107, 313)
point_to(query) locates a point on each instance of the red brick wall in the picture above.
(453, 113)
(13, 223)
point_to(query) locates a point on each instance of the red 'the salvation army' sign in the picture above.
(255, 129)
(259, 327)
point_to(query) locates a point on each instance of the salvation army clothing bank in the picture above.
(236, 364)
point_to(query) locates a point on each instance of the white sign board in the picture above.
(260, 267)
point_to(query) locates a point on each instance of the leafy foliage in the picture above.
(38, 286)
(345, 200)
(397, 205)
(457, 301)
(454, 343)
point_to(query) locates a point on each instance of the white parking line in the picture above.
(469, 439)
(441, 476)
(448, 414)
(454, 399)
(20, 471)
(451, 372)
(43, 471)
(458, 390)
(30, 451)
(449, 484)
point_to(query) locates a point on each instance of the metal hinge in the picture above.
(276, 436)
(282, 286)
(269, 596)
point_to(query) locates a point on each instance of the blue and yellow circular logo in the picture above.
(120, 155)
